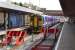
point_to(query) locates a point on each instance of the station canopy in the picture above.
(18, 8)
(68, 7)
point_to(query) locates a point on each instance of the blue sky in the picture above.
(49, 4)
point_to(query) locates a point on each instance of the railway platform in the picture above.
(67, 38)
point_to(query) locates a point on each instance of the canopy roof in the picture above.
(68, 7)
(18, 8)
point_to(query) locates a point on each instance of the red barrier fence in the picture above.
(20, 37)
(50, 30)
(53, 30)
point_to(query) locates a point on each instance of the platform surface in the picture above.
(67, 40)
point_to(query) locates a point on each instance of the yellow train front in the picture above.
(36, 23)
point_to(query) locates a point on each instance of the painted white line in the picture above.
(57, 44)
(55, 25)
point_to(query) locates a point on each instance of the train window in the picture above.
(2, 24)
(27, 20)
(15, 20)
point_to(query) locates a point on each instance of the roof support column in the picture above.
(6, 20)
